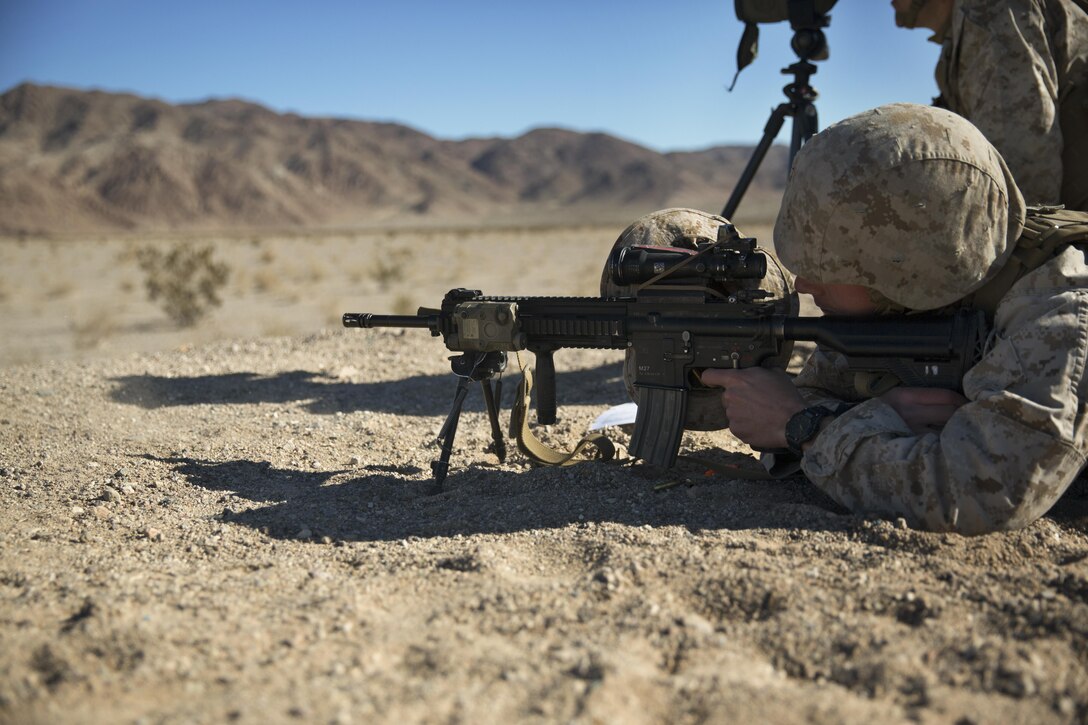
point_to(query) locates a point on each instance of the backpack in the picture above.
(1048, 230)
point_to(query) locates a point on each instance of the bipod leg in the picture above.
(493, 399)
(449, 429)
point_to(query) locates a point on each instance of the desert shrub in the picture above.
(266, 280)
(60, 288)
(390, 268)
(386, 272)
(185, 280)
(91, 331)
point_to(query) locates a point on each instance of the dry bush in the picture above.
(391, 267)
(315, 272)
(130, 252)
(90, 332)
(184, 280)
(60, 288)
(265, 281)
(387, 272)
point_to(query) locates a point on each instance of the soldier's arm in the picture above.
(1004, 458)
(1008, 88)
(824, 378)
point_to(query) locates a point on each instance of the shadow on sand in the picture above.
(326, 394)
(378, 506)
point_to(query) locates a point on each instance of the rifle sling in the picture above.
(539, 452)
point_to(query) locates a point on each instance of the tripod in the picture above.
(808, 43)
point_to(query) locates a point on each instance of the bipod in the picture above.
(481, 367)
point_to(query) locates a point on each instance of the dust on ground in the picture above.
(245, 530)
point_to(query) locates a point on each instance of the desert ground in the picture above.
(235, 522)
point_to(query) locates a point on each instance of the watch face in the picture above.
(803, 426)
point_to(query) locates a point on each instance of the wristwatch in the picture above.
(804, 425)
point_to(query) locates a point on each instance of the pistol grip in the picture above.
(659, 425)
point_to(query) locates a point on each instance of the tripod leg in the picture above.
(770, 132)
(449, 429)
(492, 398)
(805, 126)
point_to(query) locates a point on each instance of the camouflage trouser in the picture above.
(676, 228)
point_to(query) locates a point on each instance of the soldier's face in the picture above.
(837, 299)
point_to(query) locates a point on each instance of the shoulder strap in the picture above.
(1047, 232)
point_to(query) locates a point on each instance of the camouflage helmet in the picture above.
(910, 201)
(678, 228)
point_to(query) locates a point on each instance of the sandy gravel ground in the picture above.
(245, 531)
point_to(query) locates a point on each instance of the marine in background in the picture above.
(1018, 70)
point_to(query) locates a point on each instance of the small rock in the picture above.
(120, 473)
(304, 533)
(355, 461)
(696, 623)
(101, 512)
(76, 510)
(127, 489)
(111, 494)
(901, 523)
(153, 534)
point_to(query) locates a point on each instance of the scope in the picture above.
(639, 264)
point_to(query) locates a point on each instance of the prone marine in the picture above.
(909, 208)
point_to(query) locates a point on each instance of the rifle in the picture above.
(677, 322)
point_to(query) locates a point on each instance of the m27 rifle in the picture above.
(677, 322)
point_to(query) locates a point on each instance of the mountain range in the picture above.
(76, 161)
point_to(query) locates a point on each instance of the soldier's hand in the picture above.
(925, 410)
(758, 402)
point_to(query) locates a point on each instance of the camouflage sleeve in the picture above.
(1003, 459)
(825, 378)
(1006, 84)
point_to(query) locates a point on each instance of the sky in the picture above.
(655, 73)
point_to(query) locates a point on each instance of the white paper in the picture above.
(616, 415)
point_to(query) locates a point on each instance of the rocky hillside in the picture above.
(75, 161)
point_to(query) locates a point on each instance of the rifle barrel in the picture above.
(367, 320)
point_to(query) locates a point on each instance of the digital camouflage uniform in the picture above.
(913, 202)
(1018, 69)
(677, 228)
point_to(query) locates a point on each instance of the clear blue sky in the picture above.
(652, 72)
